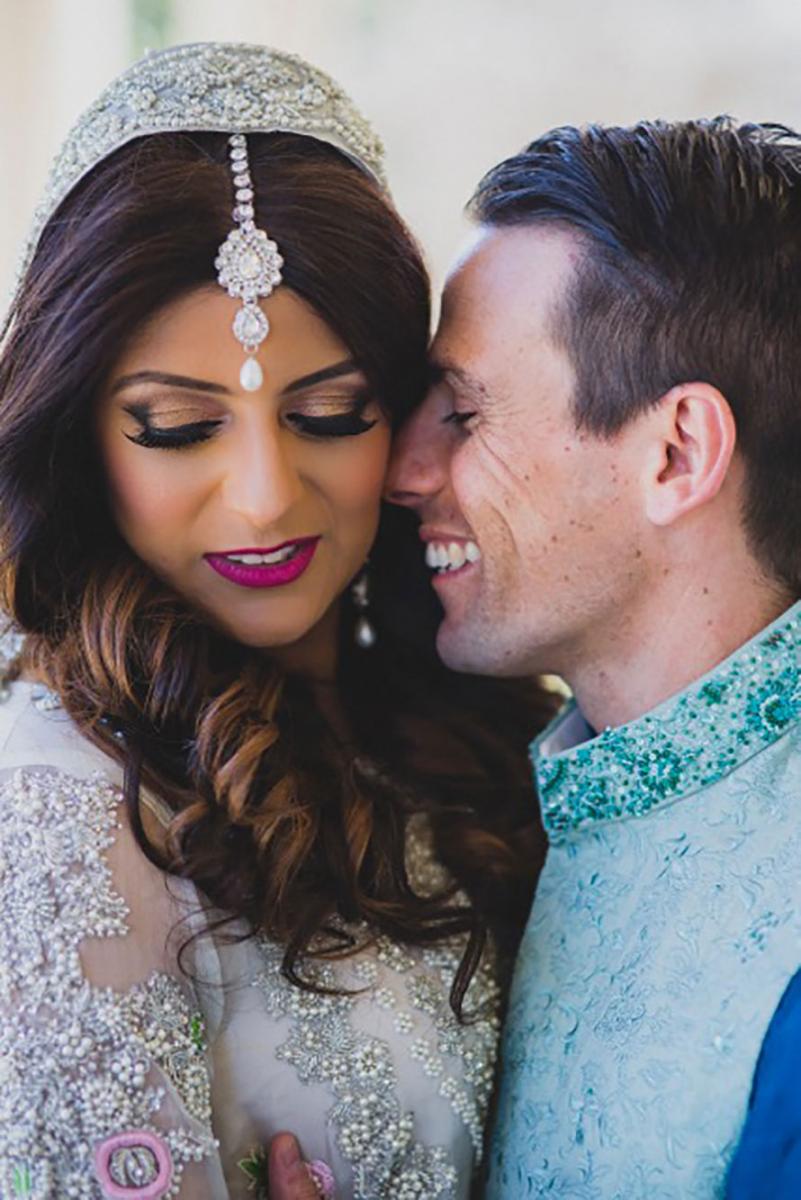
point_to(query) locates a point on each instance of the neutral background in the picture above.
(451, 85)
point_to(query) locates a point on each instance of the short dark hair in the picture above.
(691, 270)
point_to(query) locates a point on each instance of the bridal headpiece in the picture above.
(224, 88)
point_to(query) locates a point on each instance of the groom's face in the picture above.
(494, 459)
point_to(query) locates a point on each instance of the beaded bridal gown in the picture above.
(124, 1075)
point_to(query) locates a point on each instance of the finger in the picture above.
(289, 1176)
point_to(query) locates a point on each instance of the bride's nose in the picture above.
(263, 479)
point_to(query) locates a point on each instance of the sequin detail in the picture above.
(79, 1063)
(215, 86)
(655, 955)
(374, 1134)
(688, 743)
(134, 1166)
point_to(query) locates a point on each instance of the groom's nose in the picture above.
(418, 469)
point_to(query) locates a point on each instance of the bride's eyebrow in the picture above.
(348, 366)
(174, 381)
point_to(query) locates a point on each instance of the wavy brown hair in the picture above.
(274, 818)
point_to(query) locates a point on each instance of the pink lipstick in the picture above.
(240, 567)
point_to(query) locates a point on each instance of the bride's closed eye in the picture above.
(334, 417)
(162, 430)
(322, 418)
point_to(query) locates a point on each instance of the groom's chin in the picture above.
(454, 645)
(463, 649)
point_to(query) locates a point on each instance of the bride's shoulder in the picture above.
(52, 773)
(37, 732)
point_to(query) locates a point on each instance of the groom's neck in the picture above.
(658, 647)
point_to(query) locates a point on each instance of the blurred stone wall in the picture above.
(452, 85)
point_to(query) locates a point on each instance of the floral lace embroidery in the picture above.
(76, 1060)
(474, 1045)
(658, 947)
(689, 742)
(656, 953)
(373, 1132)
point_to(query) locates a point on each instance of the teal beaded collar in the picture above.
(689, 742)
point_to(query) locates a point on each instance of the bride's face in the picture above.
(257, 507)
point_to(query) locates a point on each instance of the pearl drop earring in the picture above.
(364, 633)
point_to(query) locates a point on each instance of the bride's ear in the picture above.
(694, 441)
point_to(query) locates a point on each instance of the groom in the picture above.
(615, 425)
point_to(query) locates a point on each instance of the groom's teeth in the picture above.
(451, 556)
(264, 560)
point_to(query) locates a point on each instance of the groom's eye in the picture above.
(458, 417)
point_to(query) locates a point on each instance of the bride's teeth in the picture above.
(456, 556)
(472, 552)
(264, 560)
(432, 557)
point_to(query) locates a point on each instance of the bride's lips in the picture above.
(265, 575)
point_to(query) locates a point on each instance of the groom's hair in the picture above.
(690, 269)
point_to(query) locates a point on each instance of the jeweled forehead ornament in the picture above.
(248, 266)
(221, 87)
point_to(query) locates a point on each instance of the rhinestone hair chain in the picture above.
(248, 266)
(222, 87)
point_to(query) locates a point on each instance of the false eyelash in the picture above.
(348, 424)
(173, 439)
(342, 425)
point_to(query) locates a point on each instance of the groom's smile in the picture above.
(493, 459)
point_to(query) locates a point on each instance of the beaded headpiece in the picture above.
(216, 87)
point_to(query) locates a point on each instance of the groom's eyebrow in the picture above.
(461, 381)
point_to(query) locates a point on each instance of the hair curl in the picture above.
(274, 819)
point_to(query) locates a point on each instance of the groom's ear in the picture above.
(694, 437)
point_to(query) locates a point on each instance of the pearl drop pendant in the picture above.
(365, 634)
(251, 376)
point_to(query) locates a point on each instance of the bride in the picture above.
(260, 854)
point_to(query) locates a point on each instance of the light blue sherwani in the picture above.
(666, 926)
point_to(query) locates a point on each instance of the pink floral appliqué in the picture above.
(323, 1176)
(136, 1165)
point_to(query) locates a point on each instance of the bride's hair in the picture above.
(273, 819)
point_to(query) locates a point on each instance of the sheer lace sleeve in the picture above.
(104, 1078)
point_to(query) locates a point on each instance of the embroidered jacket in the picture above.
(666, 926)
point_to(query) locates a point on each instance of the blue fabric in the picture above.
(767, 1165)
(665, 929)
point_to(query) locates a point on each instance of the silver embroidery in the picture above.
(474, 1045)
(374, 1134)
(76, 1060)
(217, 86)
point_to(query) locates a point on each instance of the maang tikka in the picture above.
(248, 266)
